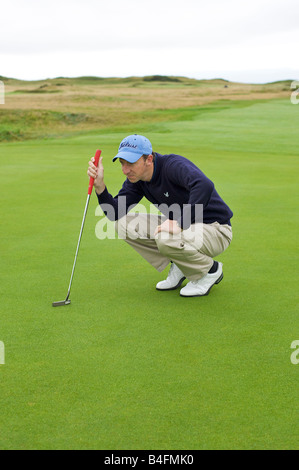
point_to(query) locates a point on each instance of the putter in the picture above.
(91, 182)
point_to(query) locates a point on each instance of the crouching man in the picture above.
(194, 226)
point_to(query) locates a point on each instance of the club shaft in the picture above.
(78, 246)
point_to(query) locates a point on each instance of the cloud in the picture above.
(102, 25)
(133, 38)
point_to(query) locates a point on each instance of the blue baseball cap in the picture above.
(133, 147)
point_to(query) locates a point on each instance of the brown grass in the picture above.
(102, 103)
(77, 98)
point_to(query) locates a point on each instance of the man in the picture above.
(195, 223)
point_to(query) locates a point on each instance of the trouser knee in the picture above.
(121, 228)
(129, 227)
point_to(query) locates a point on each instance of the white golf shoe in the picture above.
(174, 279)
(204, 285)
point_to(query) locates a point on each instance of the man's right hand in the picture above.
(98, 174)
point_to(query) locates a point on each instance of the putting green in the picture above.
(124, 366)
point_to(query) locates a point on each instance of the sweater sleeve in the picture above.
(117, 207)
(185, 174)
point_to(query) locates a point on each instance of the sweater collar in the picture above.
(157, 166)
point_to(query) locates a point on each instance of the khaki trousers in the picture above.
(192, 250)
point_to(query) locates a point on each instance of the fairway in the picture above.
(125, 366)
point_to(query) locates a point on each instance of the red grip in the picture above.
(96, 162)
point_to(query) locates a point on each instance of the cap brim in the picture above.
(128, 156)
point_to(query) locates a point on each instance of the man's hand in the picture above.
(169, 226)
(98, 174)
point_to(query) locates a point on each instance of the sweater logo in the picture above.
(166, 194)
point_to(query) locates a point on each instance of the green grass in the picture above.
(125, 366)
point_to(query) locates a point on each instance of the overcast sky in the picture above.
(248, 41)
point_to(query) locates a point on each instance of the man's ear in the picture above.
(150, 159)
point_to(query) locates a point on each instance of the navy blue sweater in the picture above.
(178, 188)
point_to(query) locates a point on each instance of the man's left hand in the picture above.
(169, 226)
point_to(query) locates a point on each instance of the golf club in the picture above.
(91, 182)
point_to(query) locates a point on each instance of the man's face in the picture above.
(138, 171)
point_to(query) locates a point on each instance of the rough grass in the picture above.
(64, 106)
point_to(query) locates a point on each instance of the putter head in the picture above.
(61, 304)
